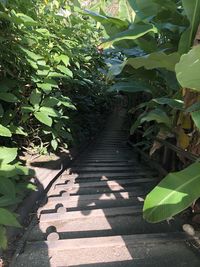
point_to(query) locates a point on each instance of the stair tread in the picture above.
(93, 213)
(157, 250)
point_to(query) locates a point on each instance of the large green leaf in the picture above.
(112, 25)
(130, 86)
(187, 70)
(124, 11)
(173, 103)
(194, 107)
(192, 10)
(137, 123)
(173, 194)
(149, 62)
(144, 8)
(8, 218)
(155, 60)
(131, 34)
(196, 118)
(157, 115)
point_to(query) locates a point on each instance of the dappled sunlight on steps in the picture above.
(93, 214)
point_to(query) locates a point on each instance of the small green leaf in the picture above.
(44, 118)
(27, 21)
(66, 101)
(6, 201)
(43, 73)
(65, 70)
(50, 102)
(4, 131)
(54, 74)
(64, 59)
(35, 98)
(31, 54)
(17, 130)
(7, 154)
(48, 85)
(54, 144)
(32, 63)
(8, 97)
(50, 111)
(27, 109)
(8, 218)
(7, 187)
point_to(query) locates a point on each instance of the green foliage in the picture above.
(192, 10)
(153, 54)
(187, 70)
(52, 55)
(52, 90)
(173, 194)
(130, 34)
(13, 187)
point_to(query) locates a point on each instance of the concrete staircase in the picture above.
(93, 215)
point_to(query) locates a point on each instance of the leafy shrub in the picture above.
(52, 90)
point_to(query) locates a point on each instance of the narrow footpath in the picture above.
(93, 214)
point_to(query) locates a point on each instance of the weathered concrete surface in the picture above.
(93, 215)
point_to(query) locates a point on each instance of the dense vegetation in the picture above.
(52, 88)
(156, 63)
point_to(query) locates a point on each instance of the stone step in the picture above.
(140, 190)
(75, 205)
(130, 222)
(110, 184)
(106, 164)
(104, 169)
(72, 215)
(116, 174)
(148, 250)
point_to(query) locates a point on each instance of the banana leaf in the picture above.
(173, 194)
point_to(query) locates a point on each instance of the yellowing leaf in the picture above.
(185, 121)
(183, 139)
